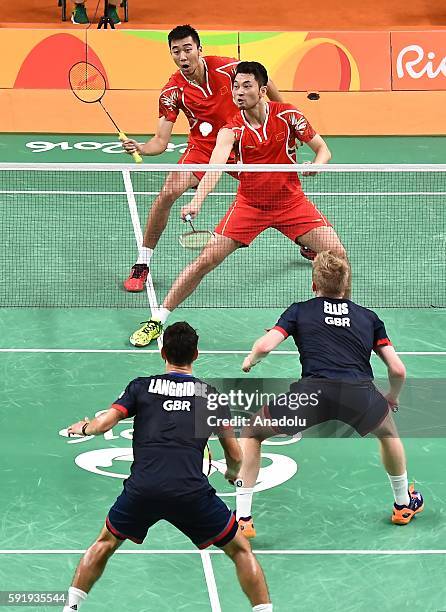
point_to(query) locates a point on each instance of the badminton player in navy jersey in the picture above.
(171, 430)
(335, 338)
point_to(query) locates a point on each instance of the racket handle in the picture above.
(136, 156)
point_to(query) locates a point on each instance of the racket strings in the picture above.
(195, 240)
(87, 82)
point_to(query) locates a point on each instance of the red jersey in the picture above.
(206, 107)
(272, 143)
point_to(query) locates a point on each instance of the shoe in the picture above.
(151, 330)
(112, 14)
(404, 514)
(137, 278)
(247, 527)
(307, 253)
(79, 15)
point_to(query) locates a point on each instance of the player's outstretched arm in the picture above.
(220, 155)
(100, 424)
(262, 347)
(321, 150)
(273, 93)
(156, 145)
(396, 372)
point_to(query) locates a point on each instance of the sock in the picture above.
(263, 608)
(244, 502)
(161, 314)
(144, 252)
(400, 487)
(75, 599)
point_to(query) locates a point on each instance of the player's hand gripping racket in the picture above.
(196, 239)
(88, 85)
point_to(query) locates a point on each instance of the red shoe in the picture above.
(307, 253)
(137, 278)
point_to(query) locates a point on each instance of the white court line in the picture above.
(220, 552)
(139, 238)
(202, 352)
(220, 193)
(205, 557)
(210, 581)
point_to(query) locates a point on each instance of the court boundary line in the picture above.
(208, 570)
(322, 551)
(211, 583)
(202, 352)
(136, 223)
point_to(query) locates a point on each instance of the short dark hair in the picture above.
(257, 69)
(180, 343)
(183, 31)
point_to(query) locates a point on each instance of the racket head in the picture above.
(87, 82)
(195, 240)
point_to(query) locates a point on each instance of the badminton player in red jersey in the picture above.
(261, 132)
(202, 89)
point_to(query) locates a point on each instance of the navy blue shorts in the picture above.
(358, 404)
(204, 519)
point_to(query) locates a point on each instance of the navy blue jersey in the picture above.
(334, 337)
(169, 410)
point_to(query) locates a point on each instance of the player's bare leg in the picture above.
(408, 502)
(249, 572)
(213, 254)
(216, 251)
(392, 449)
(251, 448)
(250, 440)
(90, 567)
(174, 186)
(326, 239)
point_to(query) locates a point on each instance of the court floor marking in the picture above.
(153, 302)
(202, 352)
(218, 193)
(133, 209)
(210, 580)
(322, 551)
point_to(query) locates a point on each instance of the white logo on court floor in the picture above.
(280, 469)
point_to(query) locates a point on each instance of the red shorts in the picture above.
(195, 155)
(244, 222)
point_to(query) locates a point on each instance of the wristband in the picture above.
(84, 427)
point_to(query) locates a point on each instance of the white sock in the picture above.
(263, 608)
(75, 599)
(400, 487)
(244, 502)
(161, 314)
(144, 255)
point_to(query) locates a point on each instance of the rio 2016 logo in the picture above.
(413, 61)
(44, 146)
(280, 467)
